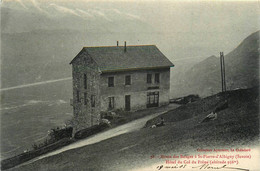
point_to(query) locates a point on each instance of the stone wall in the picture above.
(84, 114)
(137, 90)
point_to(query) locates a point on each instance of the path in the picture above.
(128, 127)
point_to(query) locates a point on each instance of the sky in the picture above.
(205, 27)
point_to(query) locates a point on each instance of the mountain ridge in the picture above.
(241, 66)
(98, 20)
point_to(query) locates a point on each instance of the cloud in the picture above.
(21, 3)
(85, 13)
(133, 16)
(35, 3)
(65, 10)
(100, 14)
(97, 12)
(116, 12)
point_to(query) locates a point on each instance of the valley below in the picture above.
(27, 114)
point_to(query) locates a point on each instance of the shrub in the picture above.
(186, 99)
(35, 146)
(57, 134)
(90, 131)
(121, 121)
(54, 136)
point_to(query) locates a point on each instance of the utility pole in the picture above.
(223, 73)
(221, 67)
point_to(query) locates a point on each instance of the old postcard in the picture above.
(129, 85)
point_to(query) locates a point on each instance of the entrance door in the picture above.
(91, 120)
(153, 99)
(127, 102)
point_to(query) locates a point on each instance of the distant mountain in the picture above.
(55, 17)
(41, 55)
(39, 40)
(204, 78)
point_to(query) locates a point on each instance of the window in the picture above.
(78, 99)
(149, 78)
(111, 102)
(110, 81)
(85, 98)
(157, 78)
(93, 101)
(85, 81)
(128, 80)
(153, 99)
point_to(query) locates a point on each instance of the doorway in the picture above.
(153, 99)
(127, 103)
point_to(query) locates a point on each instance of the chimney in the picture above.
(125, 47)
(117, 43)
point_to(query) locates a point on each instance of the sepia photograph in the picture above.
(129, 85)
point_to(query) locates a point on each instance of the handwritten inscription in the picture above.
(205, 159)
(201, 167)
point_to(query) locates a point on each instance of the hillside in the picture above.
(45, 55)
(38, 56)
(236, 126)
(242, 70)
(41, 47)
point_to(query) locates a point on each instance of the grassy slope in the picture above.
(238, 125)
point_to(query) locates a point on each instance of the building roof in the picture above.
(114, 58)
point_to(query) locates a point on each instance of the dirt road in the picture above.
(128, 127)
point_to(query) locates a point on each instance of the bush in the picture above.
(57, 134)
(120, 121)
(122, 112)
(54, 136)
(90, 131)
(186, 99)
